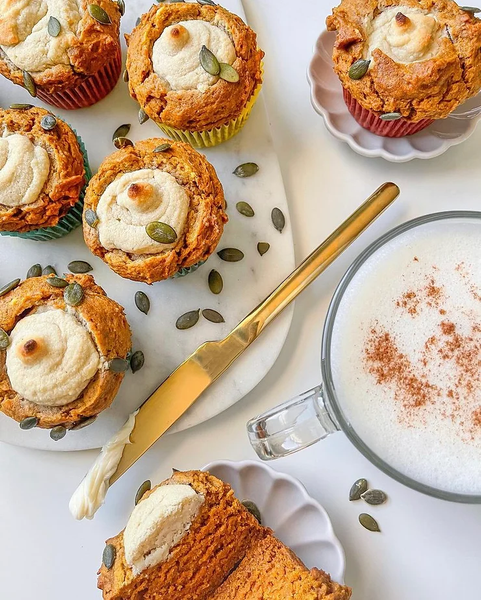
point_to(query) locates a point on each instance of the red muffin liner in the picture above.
(370, 120)
(90, 91)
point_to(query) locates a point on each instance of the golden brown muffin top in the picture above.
(59, 169)
(123, 200)
(191, 109)
(425, 55)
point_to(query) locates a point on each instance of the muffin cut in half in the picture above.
(56, 344)
(154, 210)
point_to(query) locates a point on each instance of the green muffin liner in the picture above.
(71, 220)
(186, 270)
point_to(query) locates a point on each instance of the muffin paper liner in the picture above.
(370, 120)
(90, 91)
(70, 221)
(187, 270)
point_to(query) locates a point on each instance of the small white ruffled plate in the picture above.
(326, 97)
(297, 519)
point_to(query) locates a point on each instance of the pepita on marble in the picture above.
(34, 271)
(188, 319)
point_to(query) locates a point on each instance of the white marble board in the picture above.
(245, 283)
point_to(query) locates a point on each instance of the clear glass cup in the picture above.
(317, 413)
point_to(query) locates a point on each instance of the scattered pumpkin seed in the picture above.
(359, 69)
(73, 294)
(49, 270)
(28, 423)
(143, 116)
(108, 556)
(54, 26)
(34, 271)
(21, 106)
(9, 287)
(48, 123)
(121, 131)
(83, 423)
(188, 319)
(121, 5)
(119, 365)
(471, 9)
(142, 302)
(57, 433)
(278, 219)
(163, 147)
(358, 488)
(145, 487)
(374, 497)
(79, 266)
(122, 142)
(245, 209)
(161, 232)
(4, 339)
(125, 76)
(231, 254)
(208, 61)
(209, 2)
(29, 84)
(213, 316)
(215, 281)
(246, 169)
(228, 73)
(137, 361)
(394, 116)
(368, 522)
(91, 217)
(57, 282)
(263, 247)
(99, 14)
(253, 509)
(175, 470)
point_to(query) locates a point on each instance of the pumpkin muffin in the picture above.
(154, 210)
(405, 63)
(56, 348)
(66, 52)
(195, 70)
(43, 169)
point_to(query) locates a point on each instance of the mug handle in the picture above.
(292, 426)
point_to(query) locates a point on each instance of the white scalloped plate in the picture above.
(298, 520)
(327, 100)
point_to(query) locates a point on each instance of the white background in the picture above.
(428, 548)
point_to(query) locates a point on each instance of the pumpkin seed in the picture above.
(91, 217)
(163, 147)
(122, 142)
(215, 281)
(231, 254)
(121, 131)
(228, 73)
(121, 5)
(245, 209)
(34, 271)
(278, 219)
(29, 84)
(99, 14)
(359, 69)
(9, 287)
(125, 76)
(73, 294)
(253, 509)
(119, 365)
(368, 522)
(470, 9)
(83, 423)
(161, 232)
(143, 116)
(175, 470)
(188, 319)
(4, 339)
(49, 270)
(137, 22)
(48, 123)
(374, 497)
(208, 61)
(79, 266)
(108, 556)
(263, 247)
(57, 433)
(21, 106)
(209, 2)
(213, 316)
(137, 361)
(358, 488)
(142, 302)
(57, 282)
(54, 27)
(28, 423)
(246, 169)
(394, 116)
(145, 487)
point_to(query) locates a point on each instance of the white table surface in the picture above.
(428, 548)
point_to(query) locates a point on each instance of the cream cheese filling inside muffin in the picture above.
(175, 55)
(51, 358)
(158, 523)
(134, 200)
(24, 35)
(407, 35)
(24, 169)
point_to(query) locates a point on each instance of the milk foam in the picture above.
(436, 444)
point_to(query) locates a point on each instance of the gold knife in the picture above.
(182, 388)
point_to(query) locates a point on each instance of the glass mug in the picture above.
(317, 413)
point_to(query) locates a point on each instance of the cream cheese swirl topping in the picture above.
(175, 55)
(51, 358)
(24, 35)
(24, 169)
(407, 35)
(134, 200)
